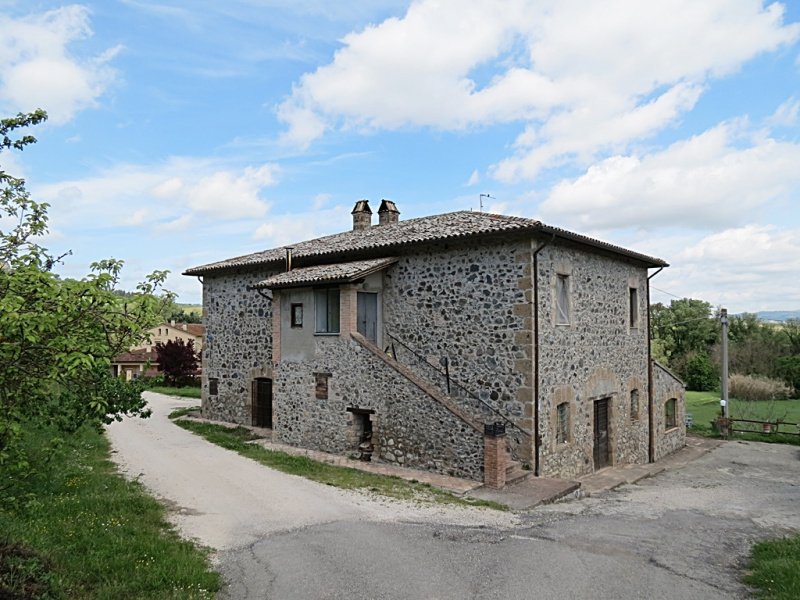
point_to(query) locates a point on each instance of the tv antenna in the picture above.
(480, 200)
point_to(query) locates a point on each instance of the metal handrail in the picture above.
(450, 380)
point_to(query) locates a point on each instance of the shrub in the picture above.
(747, 387)
(788, 367)
(701, 376)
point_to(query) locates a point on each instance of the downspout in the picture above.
(651, 447)
(537, 439)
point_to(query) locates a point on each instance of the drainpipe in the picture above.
(537, 440)
(651, 439)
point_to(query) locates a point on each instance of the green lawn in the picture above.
(183, 392)
(704, 408)
(342, 477)
(775, 569)
(77, 529)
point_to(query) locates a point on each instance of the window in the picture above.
(297, 315)
(213, 386)
(633, 307)
(562, 423)
(669, 414)
(634, 405)
(321, 385)
(326, 307)
(562, 299)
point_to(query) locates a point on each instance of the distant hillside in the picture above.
(778, 315)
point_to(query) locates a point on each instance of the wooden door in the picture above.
(262, 403)
(367, 316)
(601, 441)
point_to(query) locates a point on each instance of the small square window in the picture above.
(562, 425)
(670, 420)
(633, 307)
(213, 386)
(562, 299)
(297, 315)
(321, 385)
(634, 405)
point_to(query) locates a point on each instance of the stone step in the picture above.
(515, 472)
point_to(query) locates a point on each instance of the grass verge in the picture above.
(704, 408)
(341, 477)
(71, 527)
(775, 569)
(183, 392)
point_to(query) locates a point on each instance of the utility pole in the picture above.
(723, 318)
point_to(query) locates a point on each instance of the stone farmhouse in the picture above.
(471, 344)
(142, 360)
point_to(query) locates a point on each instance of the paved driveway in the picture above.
(682, 534)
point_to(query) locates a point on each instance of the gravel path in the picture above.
(227, 501)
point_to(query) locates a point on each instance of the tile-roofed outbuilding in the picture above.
(387, 238)
(335, 273)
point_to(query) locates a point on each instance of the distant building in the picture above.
(471, 344)
(142, 360)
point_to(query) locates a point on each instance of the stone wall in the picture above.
(471, 303)
(409, 427)
(667, 386)
(597, 355)
(238, 343)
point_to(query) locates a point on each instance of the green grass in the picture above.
(704, 408)
(74, 528)
(183, 392)
(341, 477)
(775, 569)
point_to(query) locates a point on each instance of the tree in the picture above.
(682, 330)
(58, 337)
(177, 360)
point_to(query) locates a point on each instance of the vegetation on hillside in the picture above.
(686, 337)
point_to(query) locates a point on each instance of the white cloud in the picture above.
(786, 114)
(713, 179)
(161, 195)
(474, 178)
(38, 71)
(754, 267)
(582, 76)
(280, 230)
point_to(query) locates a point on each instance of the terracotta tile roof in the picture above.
(196, 329)
(385, 239)
(340, 273)
(136, 356)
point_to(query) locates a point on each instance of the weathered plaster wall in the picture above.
(597, 355)
(471, 303)
(238, 344)
(667, 386)
(409, 427)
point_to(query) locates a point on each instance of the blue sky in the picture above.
(183, 132)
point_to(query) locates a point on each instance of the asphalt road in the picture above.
(683, 534)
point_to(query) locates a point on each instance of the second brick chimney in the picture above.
(388, 213)
(362, 215)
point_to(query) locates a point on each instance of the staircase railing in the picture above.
(440, 376)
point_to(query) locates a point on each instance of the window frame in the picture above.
(634, 404)
(332, 318)
(296, 315)
(671, 414)
(563, 299)
(563, 423)
(633, 307)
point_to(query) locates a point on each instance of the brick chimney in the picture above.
(362, 215)
(388, 213)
